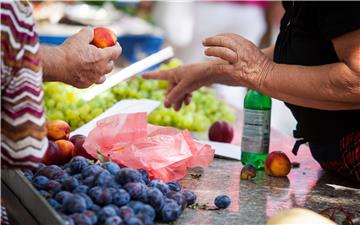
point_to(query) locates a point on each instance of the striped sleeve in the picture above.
(23, 133)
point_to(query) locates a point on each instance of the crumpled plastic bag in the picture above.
(164, 152)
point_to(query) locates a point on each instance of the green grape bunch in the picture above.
(63, 102)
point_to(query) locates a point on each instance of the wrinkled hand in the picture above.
(185, 79)
(248, 66)
(238, 62)
(84, 63)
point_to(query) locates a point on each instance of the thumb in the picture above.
(86, 34)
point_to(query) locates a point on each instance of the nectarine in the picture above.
(66, 150)
(58, 129)
(103, 37)
(277, 164)
(52, 154)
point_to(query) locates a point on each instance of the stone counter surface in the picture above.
(254, 201)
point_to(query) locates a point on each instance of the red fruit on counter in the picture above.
(103, 37)
(78, 141)
(221, 131)
(277, 164)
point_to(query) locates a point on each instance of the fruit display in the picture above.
(61, 149)
(63, 102)
(277, 164)
(103, 37)
(221, 131)
(83, 192)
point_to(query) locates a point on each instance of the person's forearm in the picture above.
(269, 52)
(331, 87)
(53, 63)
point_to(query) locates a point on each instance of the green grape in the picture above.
(60, 105)
(155, 118)
(174, 62)
(72, 115)
(96, 112)
(166, 120)
(55, 115)
(187, 121)
(143, 94)
(134, 84)
(50, 103)
(148, 85)
(85, 109)
(162, 84)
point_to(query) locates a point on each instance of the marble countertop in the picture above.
(254, 201)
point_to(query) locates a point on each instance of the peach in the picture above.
(58, 129)
(78, 141)
(277, 164)
(66, 150)
(52, 154)
(221, 131)
(103, 37)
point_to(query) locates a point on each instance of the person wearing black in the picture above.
(314, 68)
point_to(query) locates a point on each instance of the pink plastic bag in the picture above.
(164, 152)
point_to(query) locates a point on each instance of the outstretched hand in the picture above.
(238, 62)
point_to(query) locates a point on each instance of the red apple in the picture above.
(103, 37)
(221, 131)
(277, 164)
(78, 141)
(52, 154)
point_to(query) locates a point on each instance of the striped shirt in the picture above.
(23, 133)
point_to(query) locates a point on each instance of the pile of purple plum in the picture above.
(88, 194)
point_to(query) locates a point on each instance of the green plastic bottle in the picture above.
(256, 129)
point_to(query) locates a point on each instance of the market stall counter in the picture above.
(253, 201)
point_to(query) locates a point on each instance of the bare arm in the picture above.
(333, 87)
(330, 87)
(53, 60)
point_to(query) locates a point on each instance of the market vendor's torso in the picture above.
(303, 40)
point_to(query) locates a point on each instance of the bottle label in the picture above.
(256, 131)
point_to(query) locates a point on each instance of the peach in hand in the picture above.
(103, 37)
(58, 129)
(66, 150)
(277, 164)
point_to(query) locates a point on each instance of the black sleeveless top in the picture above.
(305, 39)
